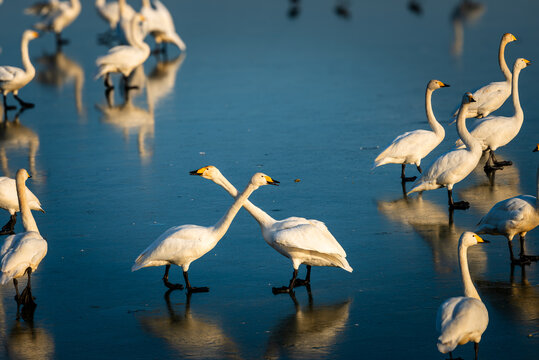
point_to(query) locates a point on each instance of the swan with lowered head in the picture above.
(181, 245)
(110, 11)
(60, 18)
(465, 318)
(516, 215)
(22, 253)
(161, 25)
(453, 166)
(496, 131)
(412, 146)
(303, 241)
(490, 97)
(12, 79)
(124, 58)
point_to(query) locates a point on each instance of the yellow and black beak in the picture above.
(536, 149)
(528, 62)
(271, 181)
(198, 172)
(480, 239)
(444, 85)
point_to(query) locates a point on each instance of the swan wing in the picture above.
(8, 73)
(9, 199)
(8, 242)
(26, 250)
(413, 144)
(515, 214)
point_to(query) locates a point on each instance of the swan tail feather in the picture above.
(139, 262)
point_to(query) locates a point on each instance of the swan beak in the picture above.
(198, 172)
(514, 38)
(29, 176)
(471, 99)
(480, 239)
(528, 62)
(271, 181)
(444, 85)
(35, 34)
(536, 148)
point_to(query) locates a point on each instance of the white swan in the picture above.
(22, 252)
(124, 58)
(10, 202)
(60, 18)
(412, 146)
(124, 31)
(181, 245)
(496, 131)
(453, 166)
(161, 25)
(301, 240)
(516, 215)
(490, 97)
(465, 318)
(110, 11)
(12, 79)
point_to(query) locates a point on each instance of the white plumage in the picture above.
(110, 11)
(411, 147)
(10, 201)
(465, 318)
(59, 18)
(160, 24)
(303, 241)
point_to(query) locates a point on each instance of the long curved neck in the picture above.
(516, 100)
(260, 216)
(222, 225)
(28, 67)
(503, 64)
(146, 3)
(121, 8)
(469, 288)
(434, 124)
(467, 138)
(28, 221)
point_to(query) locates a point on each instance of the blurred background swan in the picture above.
(466, 13)
(162, 79)
(58, 18)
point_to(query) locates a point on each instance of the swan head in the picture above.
(207, 172)
(467, 98)
(469, 238)
(521, 63)
(30, 34)
(436, 84)
(260, 179)
(22, 175)
(508, 37)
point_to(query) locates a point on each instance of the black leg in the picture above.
(16, 283)
(290, 287)
(167, 283)
(500, 163)
(24, 104)
(307, 281)
(490, 167)
(108, 82)
(191, 289)
(476, 348)
(403, 177)
(6, 106)
(522, 255)
(520, 261)
(26, 297)
(459, 205)
(419, 169)
(9, 228)
(128, 87)
(60, 41)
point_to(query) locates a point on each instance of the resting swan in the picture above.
(496, 131)
(464, 318)
(411, 147)
(181, 245)
(453, 166)
(22, 253)
(12, 79)
(490, 97)
(302, 241)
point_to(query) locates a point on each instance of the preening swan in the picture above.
(110, 11)
(22, 253)
(516, 215)
(10, 201)
(490, 97)
(303, 241)
(181, 245)
(60, 18)
(453, 166)
(411, 147)
(465, 318)
(496, 131)
(161, 25)
(124, 58)
(12, 79)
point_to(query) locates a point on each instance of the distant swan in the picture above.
(60, 18)
(22, 253)
(181, 245)
(10, 201)
(302, 241)
(12, 79)
(453, 166)
(411, 147)
(496, 131)
(110, 11)
(464, 318)
(490, 97)
(161, 25)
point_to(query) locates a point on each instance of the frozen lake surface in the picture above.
(313, 97)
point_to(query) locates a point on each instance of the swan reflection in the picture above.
(310, 333)
(58, 70)
(25, 341)
(467, 12)
(189, 335)
(162, 78)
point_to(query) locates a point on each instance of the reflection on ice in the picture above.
(162, 78)
(191, 336)
(467, 12)
(24, 341)
(310, 333)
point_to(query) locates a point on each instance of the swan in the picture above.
(10, 202)
(124, 58)
(60, 18)
(22, 253)
(12, 79)
(412, 146)
(465, 318)
(301, 240)
(453, 166)
(161, 25)
(181, 245)
(42, 8)
(110, 11)
(124, 31)
(509, 217)
(496, 131)
(490, 97)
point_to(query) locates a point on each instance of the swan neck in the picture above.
(469, 288)
(501, 61)
(516, 99)
(434, 124)
(467, 138)
(28, 67)
(222, 226)
(136, 34)
(146, 3)
(28, 221)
